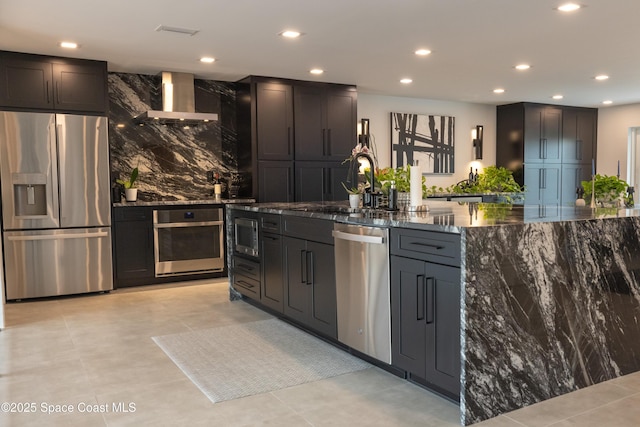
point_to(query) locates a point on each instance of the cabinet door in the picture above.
(81, 87)
(25, 82)
(133, 252)
(311, 181)
(321, 181)
(322, 274)
(341, 113)
(310, 123)
(274, 121)
(542, 138)
(408, 313)
(578, 135)
(297, 297)
(275, 181)
(543, 183)
(442, 316)
(272, 271)
(572, 177)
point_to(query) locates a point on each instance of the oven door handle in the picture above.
(188, 224)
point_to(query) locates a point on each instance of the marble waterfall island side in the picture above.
(549, 308)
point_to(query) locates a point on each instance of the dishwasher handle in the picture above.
(357, 237)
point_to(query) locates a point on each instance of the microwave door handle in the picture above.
(190, 224)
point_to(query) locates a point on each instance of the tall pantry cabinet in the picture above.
(294, 136)
(549, 148)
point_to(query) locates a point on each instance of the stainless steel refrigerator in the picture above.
(54, 172)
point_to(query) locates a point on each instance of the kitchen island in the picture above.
(548, 304)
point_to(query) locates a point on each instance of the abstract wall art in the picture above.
(429, 139)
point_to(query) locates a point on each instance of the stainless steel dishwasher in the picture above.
(362, 289)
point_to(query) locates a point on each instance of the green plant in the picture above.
(351, 190)
(400, 176)
(130, 183)
(607, 188)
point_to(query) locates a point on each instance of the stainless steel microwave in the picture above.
(245, 236)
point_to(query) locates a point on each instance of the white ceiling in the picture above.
(370, 43)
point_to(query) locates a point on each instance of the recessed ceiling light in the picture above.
(607, 102)
(69, 45)
(557, 97)
(290, 34)
(601, 77)
(422, 52)
(522, 67)
(406, 81)
(316, 71)
(498, 90)
(569, 7)
(207, 59)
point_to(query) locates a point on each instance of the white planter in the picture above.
(131, 194)
(354, 201)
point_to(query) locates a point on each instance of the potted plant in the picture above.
(609, 190)
(130, 191)
(354, 196)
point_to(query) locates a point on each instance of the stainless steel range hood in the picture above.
(178, 102)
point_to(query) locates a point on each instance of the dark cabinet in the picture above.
(276, 181)
(543, 183)
(274, 121)
(320, 181)
(548, 148)
(425, 307)
(133, 246)
(292, 121)
(311, 290)
(50, 83)
(325, 122)
(272, 261)
(543, 134)
(578, 135)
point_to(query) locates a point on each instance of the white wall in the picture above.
(613, 129)
(377, 109)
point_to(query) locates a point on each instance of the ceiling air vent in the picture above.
(178, 30)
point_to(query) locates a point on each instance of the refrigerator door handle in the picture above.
(57, 236)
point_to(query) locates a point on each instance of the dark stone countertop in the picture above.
(444, 216)
(209, 201)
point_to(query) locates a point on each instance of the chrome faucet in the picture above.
(372, 171)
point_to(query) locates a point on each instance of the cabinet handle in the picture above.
(430, 298)
(270, 237)
(578, 149)
(324, 142)
(244, 284)
(544, 144)
(427, 245)
(303, 265)
(328, 142)
(420, 297)
(48, 97)
(245, 267)
(541, 148)
(57, 93)
(310, 268)
(289, 140)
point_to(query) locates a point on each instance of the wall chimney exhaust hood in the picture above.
(178, 102)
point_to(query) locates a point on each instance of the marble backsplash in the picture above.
(173, 161)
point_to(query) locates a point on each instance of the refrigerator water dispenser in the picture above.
(29, 194)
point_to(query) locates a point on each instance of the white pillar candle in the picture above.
(415, 184)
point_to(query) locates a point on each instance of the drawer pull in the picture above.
(427, 245)
(245, 267)
(244, 284)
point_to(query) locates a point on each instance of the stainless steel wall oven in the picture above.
(188, 241)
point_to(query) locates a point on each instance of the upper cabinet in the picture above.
(274, 121)
(579, 135)
(293, 137)
(35, 82)
(325, 118)
(543, 134)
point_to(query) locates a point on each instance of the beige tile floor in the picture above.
(93, 352)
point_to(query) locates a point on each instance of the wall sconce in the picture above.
(476, 135)
(363, 132)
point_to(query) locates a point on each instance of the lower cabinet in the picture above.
(310, 284)
(425, 309)
(272, 284)
(133, 246)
